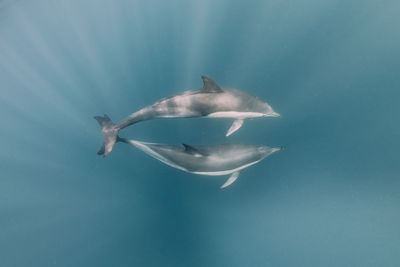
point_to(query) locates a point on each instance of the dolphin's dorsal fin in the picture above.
(231, 179)
(210, 86)
(192, 150)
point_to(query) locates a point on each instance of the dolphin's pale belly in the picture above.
(208, 166)
(224, 172)
(235, 114)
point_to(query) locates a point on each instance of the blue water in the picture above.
(331, 68)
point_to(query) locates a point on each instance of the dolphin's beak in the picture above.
(274, 114)
(275, 149)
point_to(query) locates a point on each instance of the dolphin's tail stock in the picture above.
(110, 133)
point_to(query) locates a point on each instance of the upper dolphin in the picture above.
(210, 101)
(212, 160)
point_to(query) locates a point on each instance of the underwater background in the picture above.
(330, 68)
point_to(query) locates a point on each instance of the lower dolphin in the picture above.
(210, 101)
(213, 160)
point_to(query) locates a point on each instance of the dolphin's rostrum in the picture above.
(212, 160)
(210, 101)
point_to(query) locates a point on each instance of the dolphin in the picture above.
(210, 101)
(212, 160)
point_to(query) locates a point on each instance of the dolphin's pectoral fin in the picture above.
(192, 150)
(235, 126)
(210, 86)
(230, 180)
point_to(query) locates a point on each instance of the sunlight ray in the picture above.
(34, 85)
(198, 38)
(89, 51)
(52, 61)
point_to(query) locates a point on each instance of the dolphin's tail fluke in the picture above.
(110, 133)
